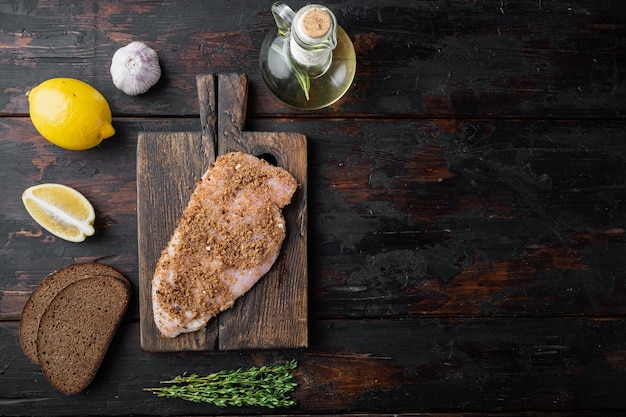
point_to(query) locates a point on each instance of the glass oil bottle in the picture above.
(308, 61)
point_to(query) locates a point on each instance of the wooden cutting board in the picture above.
(273, 314)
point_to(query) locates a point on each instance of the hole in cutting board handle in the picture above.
(268, 157)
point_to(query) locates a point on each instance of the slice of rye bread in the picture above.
(77, 328)
(46, 291)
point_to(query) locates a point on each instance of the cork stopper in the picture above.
(315, 23)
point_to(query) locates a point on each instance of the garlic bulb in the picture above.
(135, 68)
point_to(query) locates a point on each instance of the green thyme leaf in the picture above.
(267, 386)
(303, 79)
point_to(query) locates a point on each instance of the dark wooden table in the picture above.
(467, 223)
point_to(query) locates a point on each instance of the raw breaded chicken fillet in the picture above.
(229, 236)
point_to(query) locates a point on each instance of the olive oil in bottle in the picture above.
(308, 61)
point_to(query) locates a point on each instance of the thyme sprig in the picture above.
(265, 386)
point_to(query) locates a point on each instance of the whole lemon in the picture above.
(70, 113)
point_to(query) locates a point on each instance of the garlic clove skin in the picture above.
(135, 68)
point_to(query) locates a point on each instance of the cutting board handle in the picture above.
(233, 94)
(223, 101)
(207, 97)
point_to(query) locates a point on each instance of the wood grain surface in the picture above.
(466, 223)
(363, 367)
(526, 58)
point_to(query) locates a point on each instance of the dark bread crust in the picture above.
(76, 329)
(46, 291)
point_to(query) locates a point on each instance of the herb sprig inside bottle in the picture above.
(265, 386)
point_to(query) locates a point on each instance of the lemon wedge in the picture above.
(61, 210)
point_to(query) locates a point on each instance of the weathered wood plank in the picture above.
(485, 218)
(426, 58)
(443, 217)
(457, 365)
